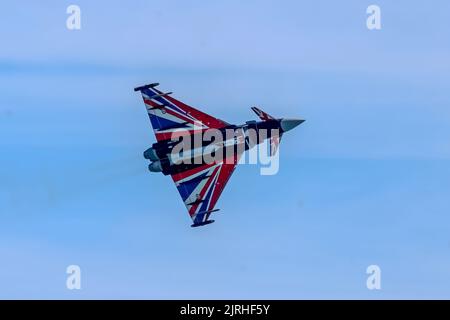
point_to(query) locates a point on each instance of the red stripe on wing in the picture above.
(224, 175)
(203, 192)
(206, 119)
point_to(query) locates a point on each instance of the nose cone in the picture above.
(289, 124)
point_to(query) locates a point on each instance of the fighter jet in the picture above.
(200, 182)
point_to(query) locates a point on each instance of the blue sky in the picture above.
(364, 181)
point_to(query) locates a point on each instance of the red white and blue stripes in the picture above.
(171, 118)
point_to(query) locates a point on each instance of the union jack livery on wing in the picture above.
(181, 151)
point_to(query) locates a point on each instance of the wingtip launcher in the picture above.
(151, 85)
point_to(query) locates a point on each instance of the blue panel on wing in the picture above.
(186, 188)
(199, 218)
(163, 123)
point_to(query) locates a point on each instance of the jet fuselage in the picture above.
(187, 152)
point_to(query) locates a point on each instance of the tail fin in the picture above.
(262, 115)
